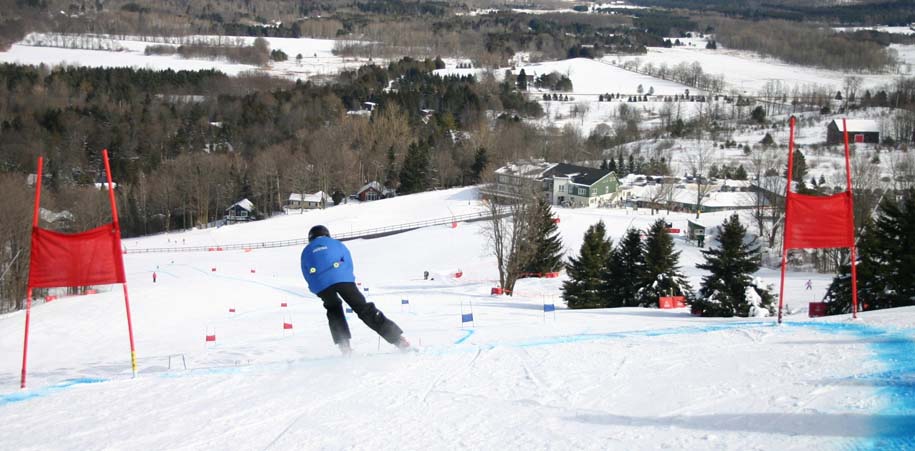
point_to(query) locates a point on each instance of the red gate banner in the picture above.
(816, 222)
(75, 259)
(819, 221)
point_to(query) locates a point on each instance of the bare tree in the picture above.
(850, 85)
(15, 233)
(769, 200)
(657, 193)
(698, 163)
(507, 232)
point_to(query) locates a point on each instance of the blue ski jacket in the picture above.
(326, 261)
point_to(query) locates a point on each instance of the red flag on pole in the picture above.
(59, 259)
(93, 257)
(819, 221)
(816, 222)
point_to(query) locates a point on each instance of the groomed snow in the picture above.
(514, 379)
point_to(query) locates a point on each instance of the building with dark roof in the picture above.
(561, 184)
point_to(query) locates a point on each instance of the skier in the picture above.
(154, 277)
(328, 268)
(809, 284)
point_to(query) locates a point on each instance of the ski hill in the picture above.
(516, 378)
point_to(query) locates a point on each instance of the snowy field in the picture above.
(514, 379)
(54, 49)
(747, 72)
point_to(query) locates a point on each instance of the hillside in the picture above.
(514, 379)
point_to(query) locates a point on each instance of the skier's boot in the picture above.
(403, 344)
(345, 349)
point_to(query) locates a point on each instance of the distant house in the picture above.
(373, 191)
(579, 186)
(308, 201)
(859, 131)
(561, 183)
(241, 211)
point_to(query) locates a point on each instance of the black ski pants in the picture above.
(366, 311)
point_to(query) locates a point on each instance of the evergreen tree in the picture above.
(522, 80)
(545, 242)
(740, 173)
(414, 175)
(611, 165)
(480, 160)
(390, 170)
(730, 289)
(624, 271)
(662, 275)
(800, 167)
(886, 264)
(583, 289)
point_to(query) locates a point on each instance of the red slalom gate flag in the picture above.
(287, 326)
(88, 258)
(818, 222)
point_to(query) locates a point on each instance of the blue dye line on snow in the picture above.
(642, 333)
(469, 332)
(894, 425)
(45, 391)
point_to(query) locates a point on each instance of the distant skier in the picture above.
(154, 277)
(328, 268)
(809, 284)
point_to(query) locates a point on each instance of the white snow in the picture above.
(317, 54)
(515, 379)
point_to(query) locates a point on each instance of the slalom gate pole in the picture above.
(25, 342)
(117, 228)
(28, 306)
(854, 269)
(781, 290)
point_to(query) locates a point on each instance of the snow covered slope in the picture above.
(514, 379)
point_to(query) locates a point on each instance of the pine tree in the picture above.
(800, 167)
(390, 169)
(522, 80)
(480, 160)
(583, 289)
(414, 175)
(662, 275)
(544, 238)
(726, 291)
(886, 264)
(624, 271)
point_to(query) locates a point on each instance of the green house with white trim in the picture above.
(562, 184)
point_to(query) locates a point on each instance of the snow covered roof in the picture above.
(858, 125)
(736, 183)
(244, 204)
(104, 186)
(377, 187)
(54, 216)
(577, 174)
(774, 184)
(314, 197)
(526, 168)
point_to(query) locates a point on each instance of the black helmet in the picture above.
(317, 231)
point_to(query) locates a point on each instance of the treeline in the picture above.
(643, 267)
(186, 145)
(888, 12)
(886, 266)
(803, 45)
(256, 54)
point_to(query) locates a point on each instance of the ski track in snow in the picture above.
(893, 427)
